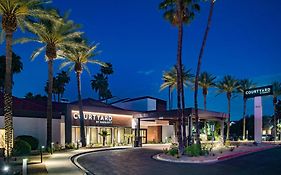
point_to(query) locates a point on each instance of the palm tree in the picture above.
(276, 92)
(16, 68)
(54, 35)
(14, 14)
(170, 80)
(212, 3)
(104, 134)
(205, 81)
(228, 85)
(243, 86)
(62, 79)
(99, 84)
(77, 59)
(179, 12)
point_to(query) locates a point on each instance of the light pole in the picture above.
(41, 153)
(52, 147)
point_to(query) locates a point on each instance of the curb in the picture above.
(244, 153)
(75, 157)
(218, 159)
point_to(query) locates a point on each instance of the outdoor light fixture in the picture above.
(52, 147)
(24, 166)
(6, 168)
(41, 153)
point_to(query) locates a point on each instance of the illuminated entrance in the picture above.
(257, 94)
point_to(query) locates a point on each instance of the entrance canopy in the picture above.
(171, 115)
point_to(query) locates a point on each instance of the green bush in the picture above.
(173, 151)
(32, 141)
(193, 150)
(21, 148)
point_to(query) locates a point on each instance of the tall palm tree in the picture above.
(228, 85)
(54, 35)
(205, 81)
(77, 59)
(243, 86)
(178, 13)
(170, 80)
(276, 92)
(14, 14)
(212, 3)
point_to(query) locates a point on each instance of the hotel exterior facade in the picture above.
(143, 119)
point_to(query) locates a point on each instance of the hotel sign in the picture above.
(260, 91)
(101, 119)
(94, 117)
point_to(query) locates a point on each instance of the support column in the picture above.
(258, 119)
(222, 130)
(138, 133)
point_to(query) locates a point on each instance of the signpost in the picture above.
(257, 93)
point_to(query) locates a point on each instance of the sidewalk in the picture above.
(60, 163)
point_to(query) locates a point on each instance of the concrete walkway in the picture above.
(61, 163)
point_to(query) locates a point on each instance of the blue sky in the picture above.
(244, 41)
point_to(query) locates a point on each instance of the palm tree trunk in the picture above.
(183, 115)
(179, 87)
(274, 118)
(205, 101)
(8, 105)
(244, 118)
(82, 127)
(228, 122)
(198, 72)
(49, 102)
(169, 93)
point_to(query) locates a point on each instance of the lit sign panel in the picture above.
(260, 91)
(94, 117)
(101, 119)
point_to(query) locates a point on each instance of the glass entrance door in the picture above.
(143, 135)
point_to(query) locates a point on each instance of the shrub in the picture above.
(173, 151)
(70, 146)
(32, 141)
(193, 150)
(21, 148)
(227, 143)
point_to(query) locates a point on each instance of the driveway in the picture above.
(139, 162)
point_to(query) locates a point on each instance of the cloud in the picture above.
(146, 72)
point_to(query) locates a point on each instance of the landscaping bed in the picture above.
(207, 155)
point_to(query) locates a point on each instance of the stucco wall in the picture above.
(36, 127)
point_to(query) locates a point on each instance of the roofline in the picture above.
(143, 97)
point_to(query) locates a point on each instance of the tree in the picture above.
(100, 82)
(31, 96)
(228, 85)
(62, 79)
(77, 60)
(243, 86)
(108, 70)
(205, 81)
(104, 134)
(276, 92)
(53, 35)
(212, 3)
(14, 14)
(179, 12)
(170, 81)
(59, 83)
(17, 67)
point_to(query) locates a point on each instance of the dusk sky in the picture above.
(244, 41)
